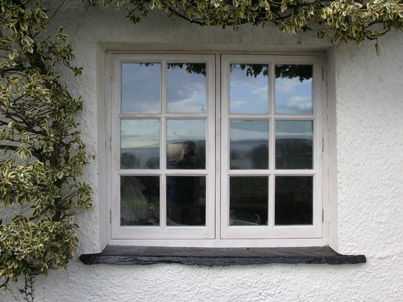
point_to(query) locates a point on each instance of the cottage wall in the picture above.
(365, 212)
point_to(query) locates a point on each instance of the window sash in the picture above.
(163, 231)
(271, 230)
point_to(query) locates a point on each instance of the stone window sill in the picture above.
(139, 255)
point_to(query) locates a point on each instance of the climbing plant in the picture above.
(341, 20)
(41, 153)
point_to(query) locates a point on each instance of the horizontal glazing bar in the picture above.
(185, 172)
(166, 172)
(276, 116)
(276, 172)
(129, 172)
(249, 172)
(158, 115)
(294, 172)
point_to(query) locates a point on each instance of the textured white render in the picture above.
(366, 177)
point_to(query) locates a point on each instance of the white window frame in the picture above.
(217, 232)
(162, 231)
(271, 230)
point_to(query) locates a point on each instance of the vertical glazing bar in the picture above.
(163, 146)
(163, 201)
(272, 80)
(272, 154)
(271, 201)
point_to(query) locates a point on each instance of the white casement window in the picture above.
(216, 149)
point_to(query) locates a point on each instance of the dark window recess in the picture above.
(131, 255)
(294, 197)
(248, 200)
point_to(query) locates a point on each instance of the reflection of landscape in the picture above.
(249, 144)
(140, 158)
(291, 153)
(294, 144)
(294, 153)
(249, 154)
(148, 157)
(139, 200)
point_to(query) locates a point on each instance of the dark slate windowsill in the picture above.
(139, 255)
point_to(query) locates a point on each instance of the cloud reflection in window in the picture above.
(186, 87)
(249, 88)
(294, 89)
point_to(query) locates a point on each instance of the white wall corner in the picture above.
(332, 205)
(101, 147)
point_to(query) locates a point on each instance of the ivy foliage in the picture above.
(41, 153)
(341, 20)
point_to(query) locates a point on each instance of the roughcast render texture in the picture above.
(368, 115)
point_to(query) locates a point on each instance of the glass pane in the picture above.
(249, 200)
(294, 146)
(186, 200)
(186, 87)
(249, 88)
(139, 200)
(141, 87)
(294, 89)
(293, 200)
(140, 144)
(249, 142)
(186, 144)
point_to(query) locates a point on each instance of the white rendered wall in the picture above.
(366, 181)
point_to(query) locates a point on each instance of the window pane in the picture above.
(249, 88)
(186, 144)
(294, 89)
(139, 200)
(248, 200)
(294, 146)
(141, 87)
(140, 144)
(186, 87)
(186, 200)
(249, 142)
(294, 200)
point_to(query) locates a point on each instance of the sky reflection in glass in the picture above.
(293, 89)
(141, 87)
(249, 142)
(249, 88)
(186, 87)
(139, 144)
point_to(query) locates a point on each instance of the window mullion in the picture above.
(218, 146)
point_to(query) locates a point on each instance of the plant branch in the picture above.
(55, 12)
